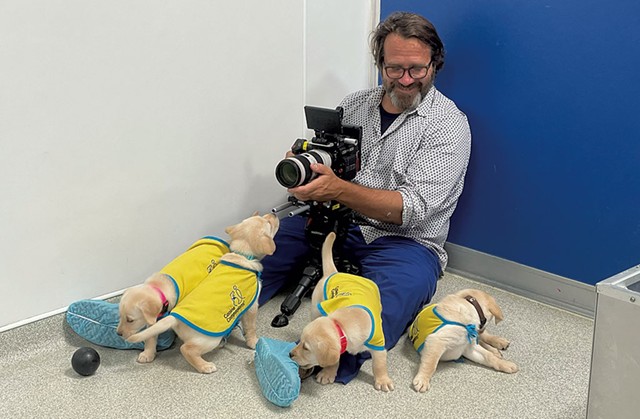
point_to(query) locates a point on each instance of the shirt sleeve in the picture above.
(435, 175)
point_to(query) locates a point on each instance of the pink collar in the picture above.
(165, 302)
(343, 338)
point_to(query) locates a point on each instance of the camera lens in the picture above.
(287, 173)
(295, 171)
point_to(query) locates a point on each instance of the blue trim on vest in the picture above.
(373, 328)
(225, 332)
(472, 333)
(217, 239)
(324, 288)
(175, 286)
(233, 265)
(373, 325)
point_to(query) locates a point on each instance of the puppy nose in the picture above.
(291, 354)
(119, 333)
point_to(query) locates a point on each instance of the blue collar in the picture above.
(245, 255)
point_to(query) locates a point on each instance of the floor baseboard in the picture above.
(52, 313)
(545, 287)
(522, 280)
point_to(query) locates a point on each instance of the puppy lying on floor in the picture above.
(455, 327)
(230, 293)
(346, 313)
(142, 305)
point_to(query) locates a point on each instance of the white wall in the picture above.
(337, 54)
(128, 129)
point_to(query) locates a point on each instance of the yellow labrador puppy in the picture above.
(455, 327)
(228, 295)
(142, 305)
(346, 317)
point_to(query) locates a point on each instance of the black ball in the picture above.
(85, 361)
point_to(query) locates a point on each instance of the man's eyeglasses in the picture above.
(416, 72)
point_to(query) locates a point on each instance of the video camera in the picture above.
(336, 145)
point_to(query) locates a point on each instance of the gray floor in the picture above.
(552, 348)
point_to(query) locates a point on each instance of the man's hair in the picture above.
(407, 25)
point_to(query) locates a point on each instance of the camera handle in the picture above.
(322, 219)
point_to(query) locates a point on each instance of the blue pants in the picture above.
(406, 274)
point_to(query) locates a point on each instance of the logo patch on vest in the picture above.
(237, 303)
(335, 292)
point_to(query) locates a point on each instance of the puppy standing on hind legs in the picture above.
(228, 295)
(455, 327)
(346, 316)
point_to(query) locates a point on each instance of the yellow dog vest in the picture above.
(215, 307)
(347, 290)
(189, 269)
(428, 321)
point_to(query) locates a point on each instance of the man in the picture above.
(415, 151)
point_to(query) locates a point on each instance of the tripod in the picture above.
(323, 218)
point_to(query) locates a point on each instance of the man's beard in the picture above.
(407, 101)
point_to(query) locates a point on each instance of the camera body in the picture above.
(334, 144)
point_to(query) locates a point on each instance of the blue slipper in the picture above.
(277, 373)
(97, 320)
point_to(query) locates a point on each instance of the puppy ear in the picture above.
(486, 302)
(231, 229)
(327, 356)
(149, 312)
(255, 213)
(266, 245)
(494, 309)
(150, 318)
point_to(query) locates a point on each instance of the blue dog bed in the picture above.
(97, 320)
(277, 373)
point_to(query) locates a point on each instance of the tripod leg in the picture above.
(310, 277)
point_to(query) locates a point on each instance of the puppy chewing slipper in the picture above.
(277, 373)
(97, 320)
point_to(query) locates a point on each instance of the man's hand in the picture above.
(379, 204)
(325, 187)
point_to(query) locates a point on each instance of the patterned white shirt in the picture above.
(423, 155)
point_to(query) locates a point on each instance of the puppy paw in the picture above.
(421, 384)
(146, 356)
(324, 377)
(384, 383)
(502, 343)
(207, 368)
(251, 342)
(508, 367)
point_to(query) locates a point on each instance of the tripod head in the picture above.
(322, 218)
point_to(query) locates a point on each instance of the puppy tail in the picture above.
(328, 265)
(154, 330)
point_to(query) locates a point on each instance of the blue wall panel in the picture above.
(553, 98)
